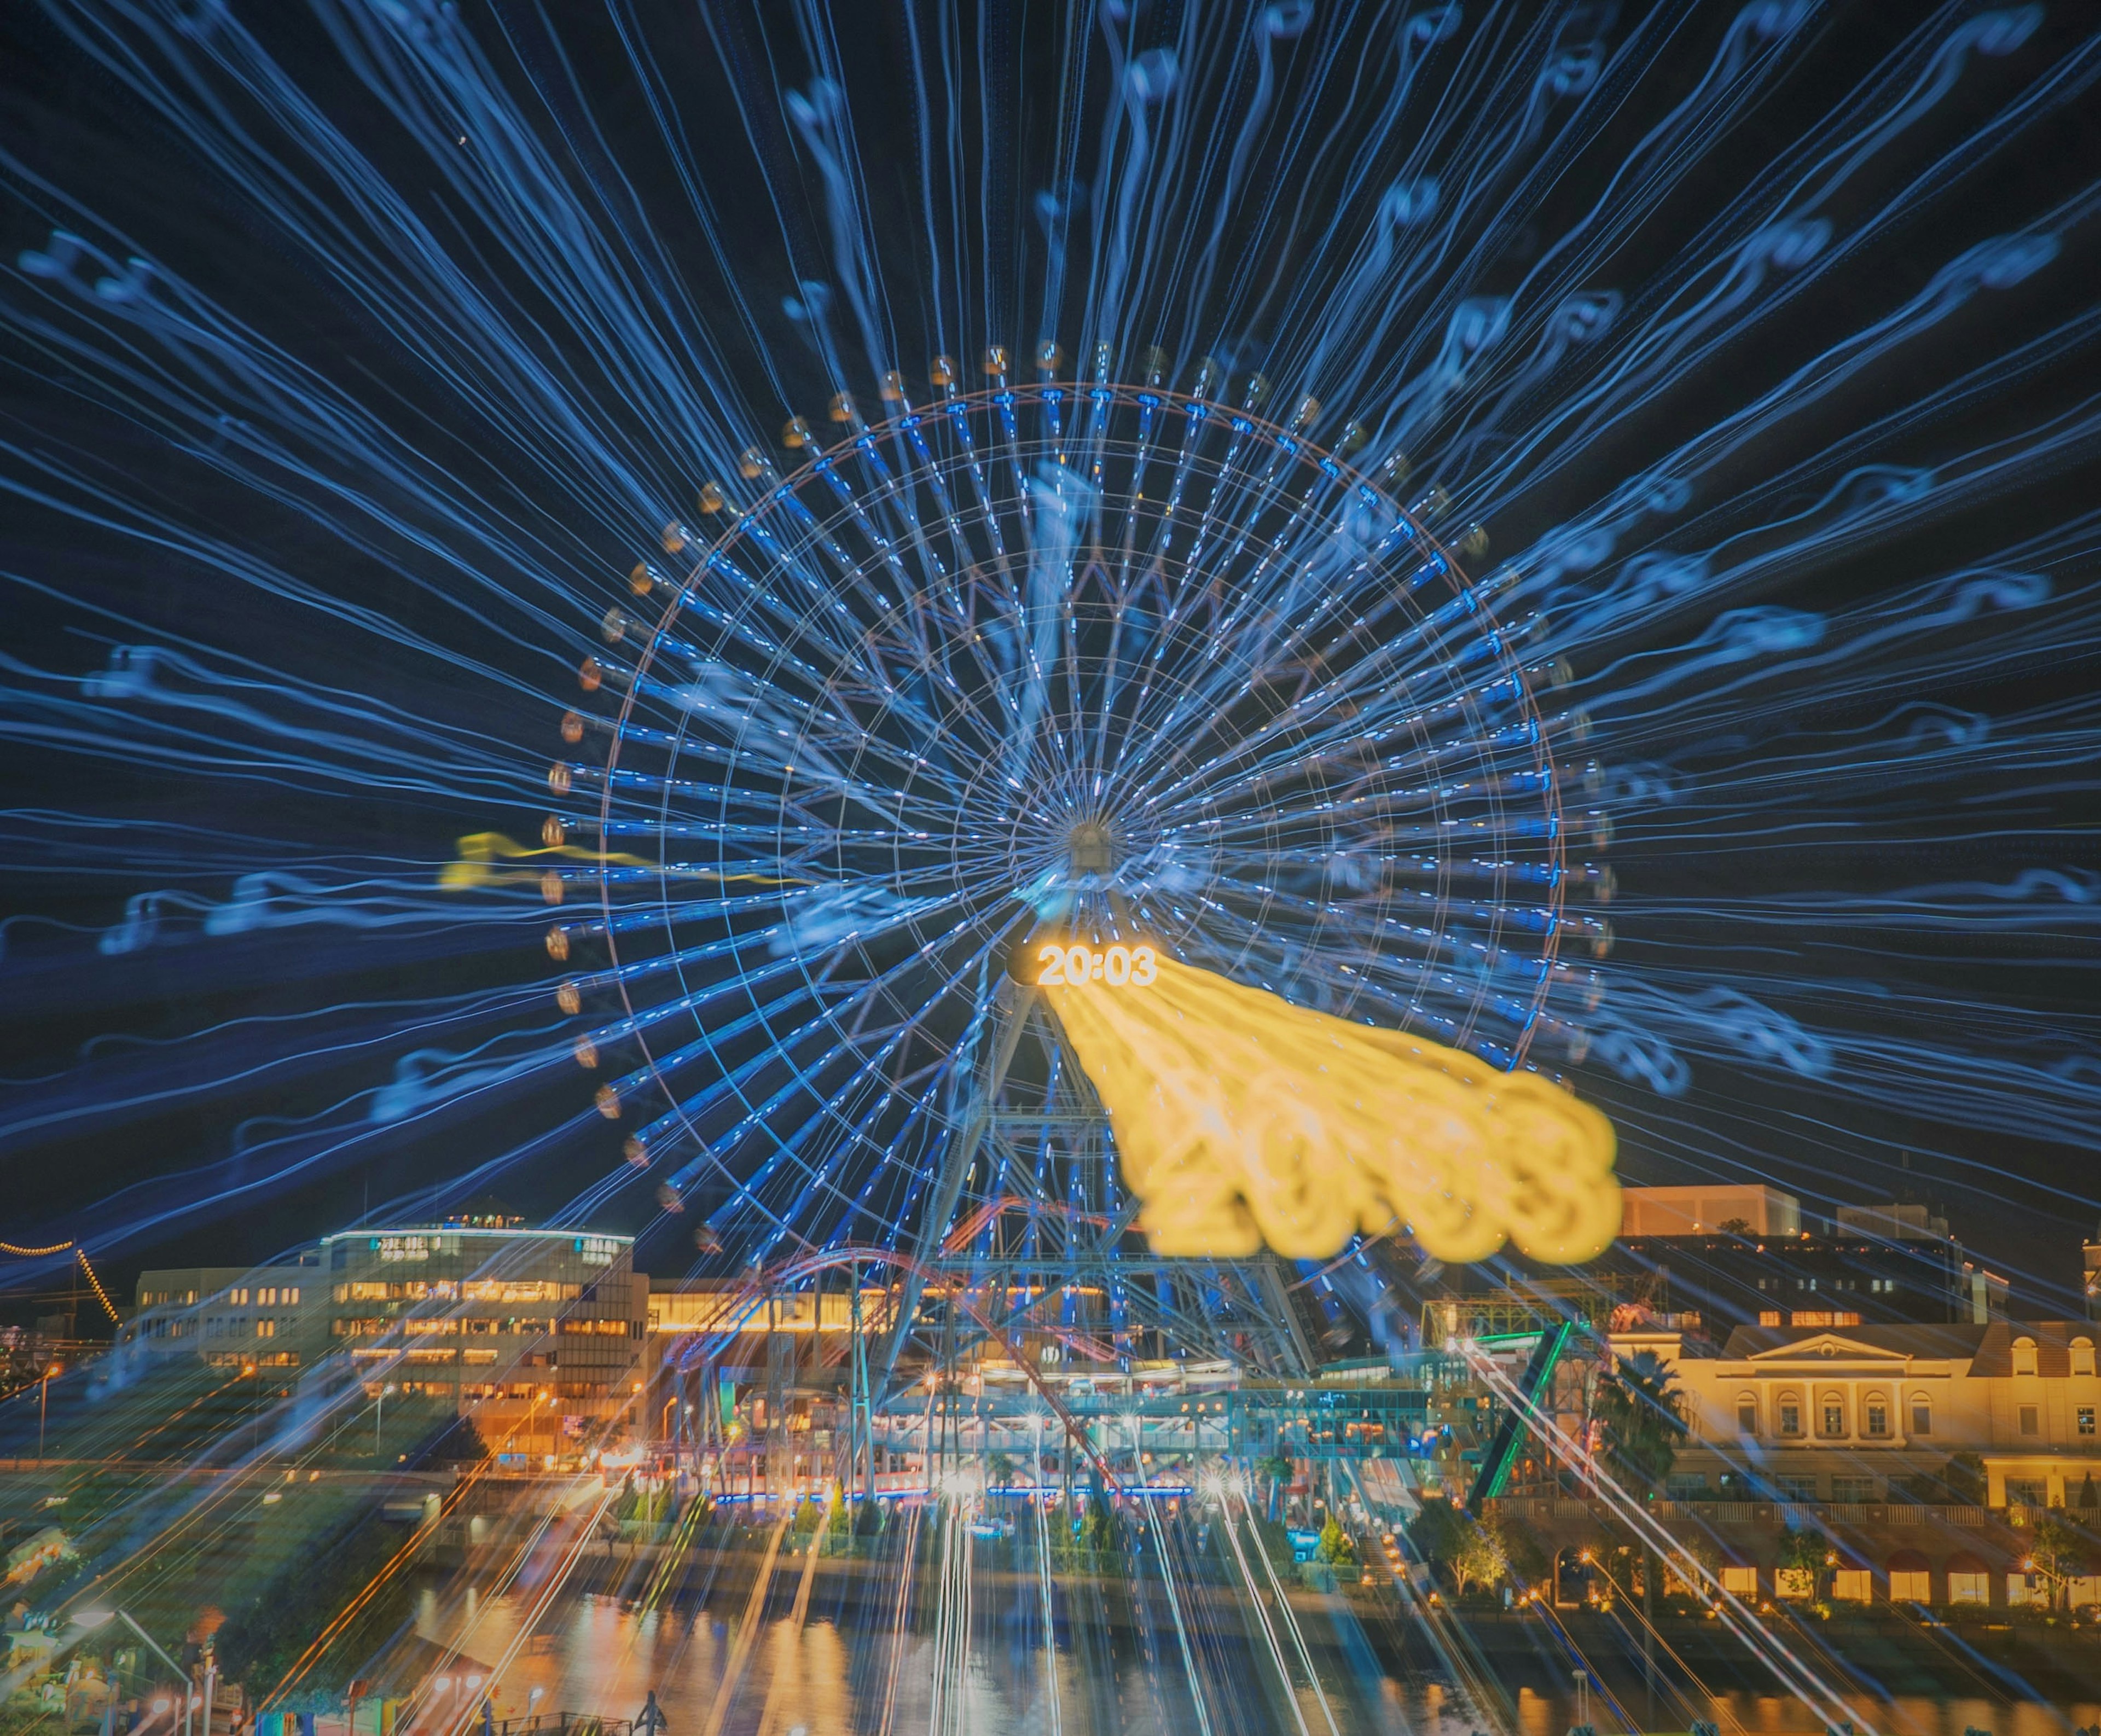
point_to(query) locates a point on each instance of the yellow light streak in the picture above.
(481, 853)
(1242, 1120)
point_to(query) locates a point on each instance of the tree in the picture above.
(1437, 1532)
(1335, 1547)
(1481, 1560)
(1735, 1226)
(1807, 1551)
(1276, 1468)
(1643, 1414)
(2055, 1549)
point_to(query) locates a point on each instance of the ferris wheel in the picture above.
(1097, 672)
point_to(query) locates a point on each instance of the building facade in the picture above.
(1875, 1414)
(231, 1317)
(536, 1334)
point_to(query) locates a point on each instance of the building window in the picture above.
(1852, 1491)
(2086, 1416)
(265, 1328)
(1852, 1585)
(2082, 1356)
(1741, 1582)
(2028, 1491)
(2024, 1356)
(1768, 1317)
(239, 1298)
(1876, 1411)
(1922, 1416)
(1797, 1488)
(2031, 1419)
(1911, 1585)
(1747, 1414)
(1688, 1485)
(1790, 1414)
(1969, 1587)
(1833, 1415)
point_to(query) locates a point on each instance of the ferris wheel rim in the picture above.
(1244, 422)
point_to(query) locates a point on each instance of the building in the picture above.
(1886, 1264)
(1876, 1414)
(2093, 1279)
(1740, 1257)
(1752, 1210)
(1808, 1280)
(268, 1316)
(537, 1333)
(1921, 1456)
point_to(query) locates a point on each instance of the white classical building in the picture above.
(1854, 1414)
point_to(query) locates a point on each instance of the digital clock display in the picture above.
(1080, 966)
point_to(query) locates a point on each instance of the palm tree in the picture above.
(1643, 1414)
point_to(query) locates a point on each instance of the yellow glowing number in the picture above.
(1078, 966)
(1241, 1120)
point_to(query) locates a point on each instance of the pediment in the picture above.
(1825, 1348)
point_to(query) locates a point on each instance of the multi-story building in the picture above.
(1739, 1256)
(1921, 1456)
(2092, 1252)
(1877, 1413)
(537, 1333)
(263, 1317)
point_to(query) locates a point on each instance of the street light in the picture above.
(43, 1402)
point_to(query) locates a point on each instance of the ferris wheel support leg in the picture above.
(1012, 1004)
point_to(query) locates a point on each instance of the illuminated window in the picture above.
(2084, 1415)
(1877, 1411)
(1969, 1587)
(1768, 1317)
(239, 1298)
(1793, 1581)
(290, 1297)
(1790, 1414)
(1832, 1415)
(1911, 1585)
(1853, 1585)
(265, 1328)
(1741, 1582)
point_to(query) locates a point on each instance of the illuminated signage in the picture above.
(1079, 966)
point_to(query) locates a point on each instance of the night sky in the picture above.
(205, 1098)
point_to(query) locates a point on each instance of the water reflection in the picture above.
(592, 1654)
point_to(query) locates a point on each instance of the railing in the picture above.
(562, 1724)
(1797, 1514)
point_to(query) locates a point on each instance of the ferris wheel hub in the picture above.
(1091, 848)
